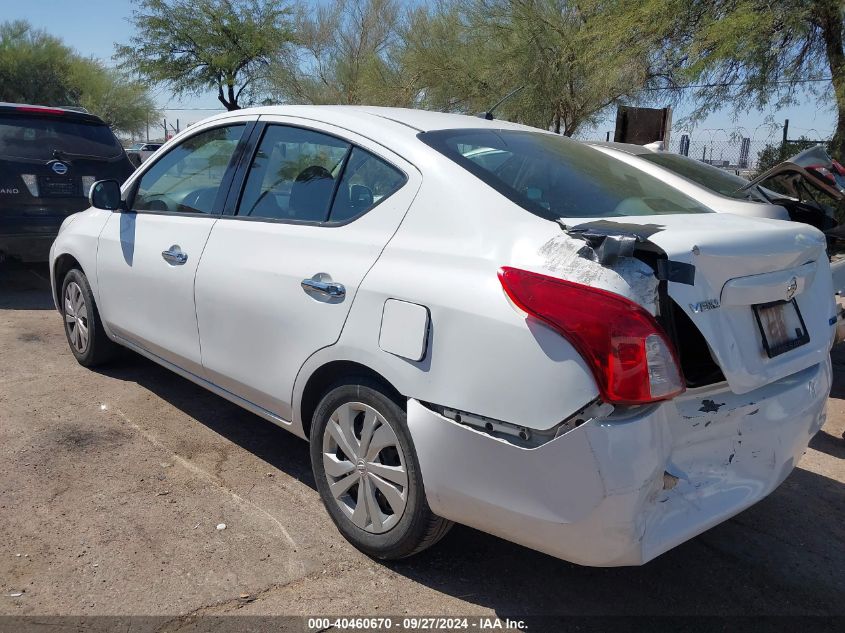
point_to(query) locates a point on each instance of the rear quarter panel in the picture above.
(482, 355)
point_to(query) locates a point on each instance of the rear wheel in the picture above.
(368, 474)
(83, 328)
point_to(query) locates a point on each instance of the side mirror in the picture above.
(105, 194)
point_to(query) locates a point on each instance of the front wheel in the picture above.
(84, 330)
(368, 475)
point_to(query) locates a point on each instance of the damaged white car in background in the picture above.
(471, 321)
(806, 188)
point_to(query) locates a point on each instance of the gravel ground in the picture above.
(113, 483)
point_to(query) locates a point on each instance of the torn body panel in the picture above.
(576, 260)
(719, 270)
(623, 490)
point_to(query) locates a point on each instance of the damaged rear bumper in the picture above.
(621, 492)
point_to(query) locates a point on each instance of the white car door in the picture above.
(277, 279)
(148, 255)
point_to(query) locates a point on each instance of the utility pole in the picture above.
(785, 130)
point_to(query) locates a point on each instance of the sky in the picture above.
(93, 26)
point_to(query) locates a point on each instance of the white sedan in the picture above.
(803, 184)
(470, 320)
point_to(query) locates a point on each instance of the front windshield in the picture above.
(712, 178)
(556, 177)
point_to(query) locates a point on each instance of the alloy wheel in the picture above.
(365, 467)
(76, 317)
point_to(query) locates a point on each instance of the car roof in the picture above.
(409, 120)
(68, 113)
(628, 148)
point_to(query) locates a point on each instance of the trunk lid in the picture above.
(720, 266)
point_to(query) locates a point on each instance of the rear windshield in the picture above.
(556, 177)
(37, 137)
(709, 177)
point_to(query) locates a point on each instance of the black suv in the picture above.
(49, 158)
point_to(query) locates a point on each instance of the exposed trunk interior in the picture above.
(697, 363)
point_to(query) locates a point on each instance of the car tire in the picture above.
(86, 337)
(376, 526)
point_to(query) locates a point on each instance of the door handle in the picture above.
(328, 288)
(174, 255)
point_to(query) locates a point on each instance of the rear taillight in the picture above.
(31, 183)
(87, 183)
(632, 360)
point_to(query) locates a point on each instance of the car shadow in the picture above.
(271, 443)
(785, 555)
(837, 356)
(25, 286)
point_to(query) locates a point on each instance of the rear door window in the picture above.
(293, 176)
(555, 177)
(38, 137)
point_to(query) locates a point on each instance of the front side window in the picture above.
(293, 175)
(555, 177)
(187, 179)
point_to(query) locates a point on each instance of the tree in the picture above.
(195, 45)
(124, 104)
(34, 67)
(37, 68)
(347, 52)
(469, 53)
(745, 53)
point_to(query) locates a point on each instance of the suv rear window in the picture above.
(555, 177)
(37, 137)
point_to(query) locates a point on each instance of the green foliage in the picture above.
(124, 104)
(347, 52)
(469, 53)
(38, 68)
(743, 54)
(195, 45)
(35, 67)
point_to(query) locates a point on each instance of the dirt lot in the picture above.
(112, 484)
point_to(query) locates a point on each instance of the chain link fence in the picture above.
(738, 149)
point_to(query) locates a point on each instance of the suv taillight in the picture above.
(628, 352)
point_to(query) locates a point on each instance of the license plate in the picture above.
(781, 325)
(59, 186)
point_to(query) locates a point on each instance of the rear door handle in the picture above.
(327, 288)
(174, 255)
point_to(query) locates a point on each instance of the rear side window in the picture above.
(367, 180)
(555, 177)
(37, 137)
(301, 175)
